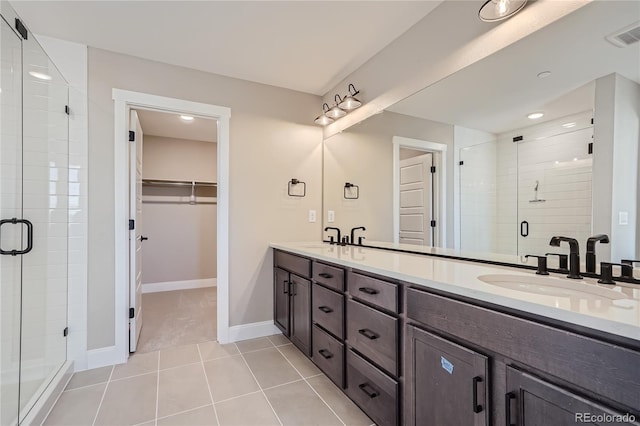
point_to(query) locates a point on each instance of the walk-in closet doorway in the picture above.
(174, 201)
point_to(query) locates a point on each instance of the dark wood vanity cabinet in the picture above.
(449, 384)
(406, 354)
(292, 298)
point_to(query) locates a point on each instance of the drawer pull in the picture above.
(507, 408)
(368, 290)
(477, 408)
(369, 390)
(325, 354)
(285, 287)
(368, 333)
(325, 275)
(325, 309)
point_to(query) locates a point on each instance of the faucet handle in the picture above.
(627, 268)
(542, 264)
(360, 240)
(563, 260)
(606, 273)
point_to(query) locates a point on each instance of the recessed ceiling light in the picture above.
(186, 117)
(40, 75)
(569, 125)
(575, 158)
(497, 10)
(544, 74)
(535, 115)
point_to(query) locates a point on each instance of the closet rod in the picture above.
(157, 182)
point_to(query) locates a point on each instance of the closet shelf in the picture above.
(159, 182)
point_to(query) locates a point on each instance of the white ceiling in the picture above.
(171, 125)
(497, 93)
(299, 45)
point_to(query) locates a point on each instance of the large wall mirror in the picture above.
(536, 140)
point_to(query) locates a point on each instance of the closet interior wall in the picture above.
(182, 234)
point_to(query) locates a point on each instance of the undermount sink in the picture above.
(551, 286)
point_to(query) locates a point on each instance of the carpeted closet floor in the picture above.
(176, 318)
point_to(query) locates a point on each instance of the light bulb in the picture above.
(502, 7)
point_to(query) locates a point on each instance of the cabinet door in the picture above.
(281, 300)
(301, 313)
(531, 401)
(445, 383)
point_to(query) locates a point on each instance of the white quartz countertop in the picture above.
(610, 309)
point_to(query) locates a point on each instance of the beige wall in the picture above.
(179, 159)
(363, 155)
(182, 237)
(272, 139)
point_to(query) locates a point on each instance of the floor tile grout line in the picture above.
(282, 384)
(206, 378)
(85, 386)
(157, 390)
(185, 411)
(260, 387)
(95, 418)
(312, 388)
(131, 377)
(235, 397)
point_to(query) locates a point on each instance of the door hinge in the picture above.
(65, 332)
(461, 163)
(67, 110)
(132, 313)
(517, 139)
(592, 121)
(132, 136)
(132, 224)
(433, 223)
(433, 169)
(590, 147)
(21, 29)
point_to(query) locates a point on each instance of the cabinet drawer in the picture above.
(328, 275)
(293, 263)
(374, 392)
(374, 334)
(374, 291)
(328, 355)
(328, 310)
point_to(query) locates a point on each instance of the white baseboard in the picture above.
(178, 285)
(253, 330)
(102, 357)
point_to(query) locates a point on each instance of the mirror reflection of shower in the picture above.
(535, 197)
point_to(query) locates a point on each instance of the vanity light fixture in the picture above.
(535, 115)
(187, 118)
(342, 106)
(40, 75)
(497, 10)
(322, 119)
(349, 103)
(336, 111)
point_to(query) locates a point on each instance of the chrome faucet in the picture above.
(590, 256)
(574, 255)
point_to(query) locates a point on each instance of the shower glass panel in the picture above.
(554, 187)
(46, 205)
(10, 207)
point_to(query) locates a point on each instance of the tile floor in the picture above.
(265, 381)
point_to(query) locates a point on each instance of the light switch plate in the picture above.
(623, 218)
(312, 215)
(331, 216)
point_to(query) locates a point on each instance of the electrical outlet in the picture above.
(331, 216)
(312, 215)
(623, 218)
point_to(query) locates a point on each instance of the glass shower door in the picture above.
(10, 207)
(46, 205)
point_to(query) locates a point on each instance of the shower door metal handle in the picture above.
(524, 228)
(15, 221)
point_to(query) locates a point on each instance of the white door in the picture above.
(135, 242)
(416, 200)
